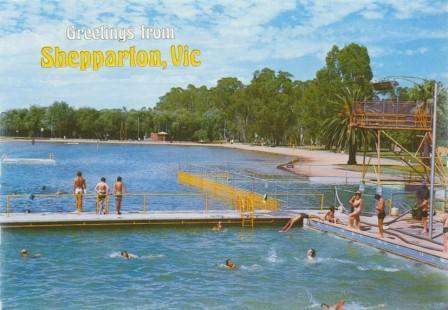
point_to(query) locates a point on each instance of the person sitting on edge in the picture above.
(118, 192)
(380, 213)
(298, 218)
(357, 204)
(311, 254)
(230, 264)
(217, 227)
(330, 216)
(424, 206)
(79, 189)
(102, 190)
(339, 306)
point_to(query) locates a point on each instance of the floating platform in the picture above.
(51, 219)
(28, 161)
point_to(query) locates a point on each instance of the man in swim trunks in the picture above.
(357, 204)
(118, 192)
(102, 190)
(424, 206)
(79, 189)
(298, 218)
(380, 213)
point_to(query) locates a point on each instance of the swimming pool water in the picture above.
(180, 267)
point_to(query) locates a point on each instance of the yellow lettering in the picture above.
(132, 56)
(186, 59)
(72, 59)
(46, 61)
(98, 60)
(155, 58)
(142, 58)
(195, 62)
(59, 58)
(122, 55)
(111, 59)
(85, 61)
(176, 57)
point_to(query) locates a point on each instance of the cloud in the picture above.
(235, 37)
(412, 52)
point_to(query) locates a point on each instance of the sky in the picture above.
(404, 38)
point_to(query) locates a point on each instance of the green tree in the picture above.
(61, 120)
(337, 131)
(86, 119)
(35, 120)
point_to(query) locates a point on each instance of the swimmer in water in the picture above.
(339, 306)
(311, 254)
(230, 264)
(24, 253)
(125, 254)
(217, 227)
(298, 218)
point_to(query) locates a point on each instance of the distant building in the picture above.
(159, 136)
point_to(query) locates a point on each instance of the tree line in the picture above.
(272, 109)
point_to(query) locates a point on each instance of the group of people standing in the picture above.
(102, 193)
(357, 206)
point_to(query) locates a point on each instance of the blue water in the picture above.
(181, 267)
(143, 169)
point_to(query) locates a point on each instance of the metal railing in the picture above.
(227, 192)
(131, 202)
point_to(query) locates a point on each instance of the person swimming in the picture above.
(339, 306)
(24, 253)
(217, 227)
(311, 254)
(125, 254)
(230, 264)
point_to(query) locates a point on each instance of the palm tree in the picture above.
(336, 130)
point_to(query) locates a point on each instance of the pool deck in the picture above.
(401, 238)
(22, 220)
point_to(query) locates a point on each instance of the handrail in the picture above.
(320, 195)
(144, 195)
